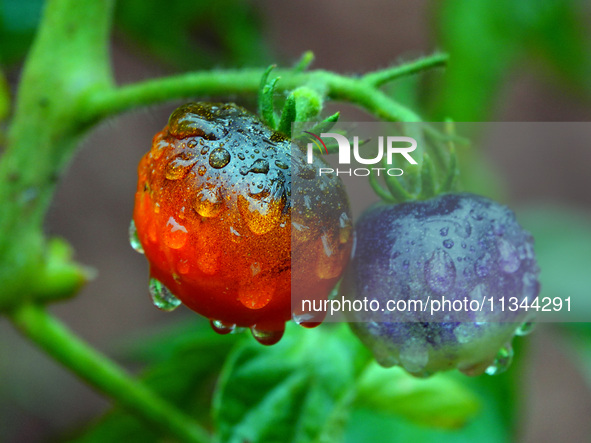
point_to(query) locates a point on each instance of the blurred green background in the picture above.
(510, 61)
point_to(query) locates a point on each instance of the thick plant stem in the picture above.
(68, 60)
(104, 375)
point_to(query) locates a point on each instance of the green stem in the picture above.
(105, 103)
(68, 59)
(383, 76)
(104, 375)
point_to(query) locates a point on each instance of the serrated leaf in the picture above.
(297, 391)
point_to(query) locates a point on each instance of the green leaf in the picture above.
(439, 401)
(304, 62)
(369, 425)
(296, 391)
(266, 98)
(288, 115)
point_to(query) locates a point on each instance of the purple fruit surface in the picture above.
(460, 248)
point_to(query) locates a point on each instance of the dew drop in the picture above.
(175, 236)
(261, 214)
(508, 256)
(204, 150)
(345, 228)
(440, 272)
(476, 215)
(256, 295)
(191, 144)
(266, 338)
(208, 202)
(308, 319)
(134, 240)
(444, 231)
(222, 328)
(531, 286)
(281, 165)
(464, 332)
(241, 156)
(158, 145)
(179, 166)
(219, 158)
(194, 119)
(330, 261)
(414, 356)
(183, 266)
(208, 255)
(449, 243)
(162, 298)
(502, 361)
(482, 265)
(260, 166)
(525, 328)
(463, 229)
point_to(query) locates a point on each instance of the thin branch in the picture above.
(104, 375)
(383, 76)
(104, 103)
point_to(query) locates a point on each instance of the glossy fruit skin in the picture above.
(213, 213)
(457, 246)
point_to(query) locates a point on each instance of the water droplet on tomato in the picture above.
(266, 338)
(414, 356)
(219, 158)
(134, 239)
(260, 166)
(525, 328)
(449, 243)
(162, 298)
(208, 202)
(175, 234)
(502, 361)
(179, 167)
(222, 328)
(440, 272)
(257, 294)
(482, 265)
(183, 266)
(281, 164)
(308, 319)
(261, 212)
(508, 256)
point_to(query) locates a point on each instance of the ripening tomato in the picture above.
(214, 214)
